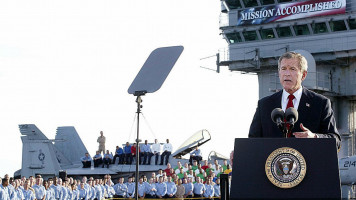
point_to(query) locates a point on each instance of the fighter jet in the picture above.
(49, 158)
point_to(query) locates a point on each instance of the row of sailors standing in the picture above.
(56, 189)
(11, 189)
(128, 153)
(167, 188)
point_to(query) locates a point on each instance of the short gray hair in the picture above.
(303, 63)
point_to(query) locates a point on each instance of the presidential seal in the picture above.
(285, 167)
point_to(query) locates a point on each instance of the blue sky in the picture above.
(70, 63)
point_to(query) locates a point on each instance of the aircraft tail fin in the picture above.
(72, 147)
(38, 153)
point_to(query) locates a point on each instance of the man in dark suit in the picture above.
(316, 117)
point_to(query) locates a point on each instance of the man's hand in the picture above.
(305, 134)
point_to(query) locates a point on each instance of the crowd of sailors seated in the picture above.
(127, 154)
(184, 181)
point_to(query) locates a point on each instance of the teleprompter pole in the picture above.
(139, 106)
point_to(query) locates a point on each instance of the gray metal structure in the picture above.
(329, 39)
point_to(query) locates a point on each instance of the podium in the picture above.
(263, 169)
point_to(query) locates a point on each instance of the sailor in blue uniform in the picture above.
(161, 188)
(86, 160)
(141, 188)
(40, 191)
(188, 186)
(107, 159)
(98, 159)
(171, 188)
(199, 188)
(151, 189)
(4, 195)
(217, 188)
(209, 189)
(130, 188)
(83, 193)
(120, 189)
(27, 193)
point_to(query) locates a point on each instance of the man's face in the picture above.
(290, 75)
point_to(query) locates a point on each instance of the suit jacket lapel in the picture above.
(304, 108)
(276, 103)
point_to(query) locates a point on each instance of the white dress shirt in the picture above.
(156, 147)
(167, 147)
(297, 94)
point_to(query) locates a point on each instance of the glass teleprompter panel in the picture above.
(301, 30)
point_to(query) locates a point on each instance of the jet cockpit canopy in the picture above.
(197, 139)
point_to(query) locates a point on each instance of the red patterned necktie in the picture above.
(290, 101)
(290, 104)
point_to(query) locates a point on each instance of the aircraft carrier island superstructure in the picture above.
(259, 31)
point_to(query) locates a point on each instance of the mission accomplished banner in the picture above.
(289, 11)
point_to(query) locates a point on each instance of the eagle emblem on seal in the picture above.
(285, 167)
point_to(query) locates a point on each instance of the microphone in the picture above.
(291, 117)
(277, 116)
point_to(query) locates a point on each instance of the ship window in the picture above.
(250, 3)
(282, 1)
(267, 33)
(352, 23)
(250, 35)
(337, 25)
(319, 28)
(266, 2)
(301, 30)
(234, 37)
(284, 32)
(233, 4)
